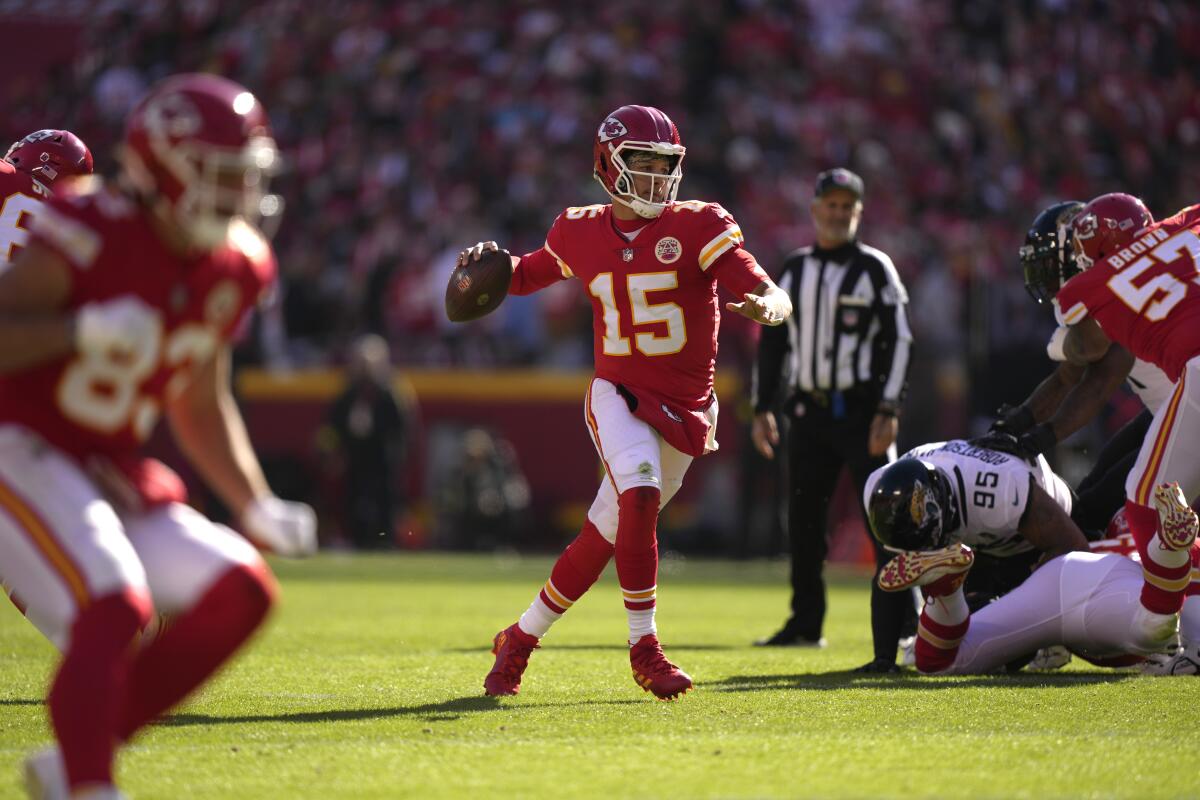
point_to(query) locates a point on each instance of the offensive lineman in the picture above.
(650, 265)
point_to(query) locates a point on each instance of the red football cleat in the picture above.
(1177, 521)
(654, 673)
(939, 571)
(511, 647)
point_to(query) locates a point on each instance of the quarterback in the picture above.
(121, 308)
(650, 265)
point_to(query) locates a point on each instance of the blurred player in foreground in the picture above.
(650, 265)
(122, 307)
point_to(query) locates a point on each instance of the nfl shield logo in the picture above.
(627, 254)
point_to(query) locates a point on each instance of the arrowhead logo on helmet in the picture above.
(1086, 226)
(612, 128)
(1106, 225)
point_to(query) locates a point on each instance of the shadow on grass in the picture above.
(847, 679)
(20, 701)
(445, 711)
(672, 647)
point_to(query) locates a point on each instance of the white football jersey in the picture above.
(991, 490)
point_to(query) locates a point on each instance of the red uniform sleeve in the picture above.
(723, 254)
(738, 272)
(539, 269)
(1072, 306)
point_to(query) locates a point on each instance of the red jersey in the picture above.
(1146, 297)
(654, 298)
(87, 403)
(20, 198)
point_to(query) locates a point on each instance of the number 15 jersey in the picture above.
(654, 298)
(1146, 297)
(93, 403)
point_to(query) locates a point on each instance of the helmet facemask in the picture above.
(662, 187)
(222, 185)
(1048, 262)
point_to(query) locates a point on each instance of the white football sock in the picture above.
(641, 623)
(950, 609)
(538, 618)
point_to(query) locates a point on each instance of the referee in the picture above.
(837, 370)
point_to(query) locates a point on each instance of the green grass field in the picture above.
(368, 683)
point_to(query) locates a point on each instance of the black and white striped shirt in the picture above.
(849, 329)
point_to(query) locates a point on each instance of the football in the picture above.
(479, 287)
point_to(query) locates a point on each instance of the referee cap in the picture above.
(839, 178)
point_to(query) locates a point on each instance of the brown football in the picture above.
(479, 287)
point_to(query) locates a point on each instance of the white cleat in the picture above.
(46, 779)
(1053, 657)
(46, 776)
(908, 651)
(1183, 661)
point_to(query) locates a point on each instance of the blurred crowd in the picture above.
(412, 129)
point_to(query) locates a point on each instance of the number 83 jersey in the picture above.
(87, 403)
(991, 491)
(654, 297)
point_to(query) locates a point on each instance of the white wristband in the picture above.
(1054, 348)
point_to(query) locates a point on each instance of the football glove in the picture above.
(1027, 446)
(282, 526)
(1013, 419)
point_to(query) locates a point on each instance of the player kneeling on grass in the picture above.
(122, 306)
(650, 266)
(1088, 602)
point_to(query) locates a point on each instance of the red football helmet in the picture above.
(644, 129)
(50, 154)
(1105, 225)
(200, 148)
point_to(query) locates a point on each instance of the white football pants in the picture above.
(634, 454)
(1089, 602)
(63, 545)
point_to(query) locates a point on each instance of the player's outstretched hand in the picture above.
(475, 252)
(757, 308)
(282, 526)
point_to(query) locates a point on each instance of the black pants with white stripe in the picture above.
(820, 443)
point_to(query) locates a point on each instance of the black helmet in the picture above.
(1047, 257)
(911, 507)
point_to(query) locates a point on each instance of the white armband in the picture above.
(1054, 348)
